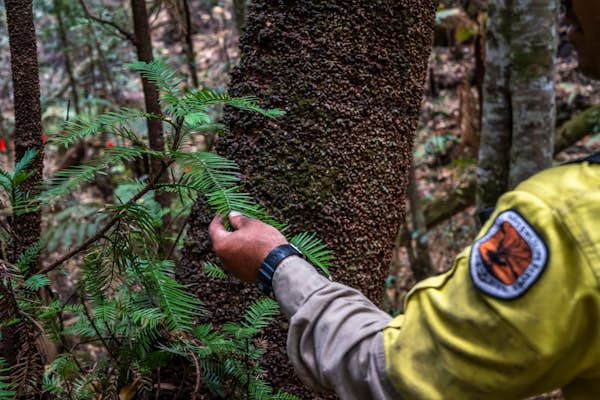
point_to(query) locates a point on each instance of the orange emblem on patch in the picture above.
(506, 254)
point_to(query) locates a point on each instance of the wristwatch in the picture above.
(264, 279)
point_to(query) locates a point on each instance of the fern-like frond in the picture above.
(18, 173)
(53, 384)
(147, 317)
(83, 126)
(118, 154)
(36, 282)
(315, 250)
(212, 270)
(230, 199)
(261, 313)
(29, 256)
(7, 391)
(6, 180)
(166, 78)
(259, 389)
(284, 396)
(69, 179)
(179, 305)
(208, 97)
(257, 317)
(210, 172)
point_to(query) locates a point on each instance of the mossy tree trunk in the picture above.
(519, 110)
(350, 77)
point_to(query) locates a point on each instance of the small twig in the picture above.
(91, 320)
(247, 362)
(100, 234)
(8, 229)
(128, 35)
(158, 383)
(198, 375)
(177, 238)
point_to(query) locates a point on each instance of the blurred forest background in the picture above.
(117, 295)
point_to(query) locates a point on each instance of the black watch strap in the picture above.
(264, 279)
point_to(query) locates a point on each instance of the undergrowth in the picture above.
(127, 315)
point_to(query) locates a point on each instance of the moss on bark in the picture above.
(350, 76)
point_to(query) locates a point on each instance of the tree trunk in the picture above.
(519, 114)
(239, 12)
(534, 42)
(350, 77)
(420, 261)
(62, 35)
(143, 46)
(17, 344)
(190, 54)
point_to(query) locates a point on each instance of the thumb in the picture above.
(238, 220)
(216, 229)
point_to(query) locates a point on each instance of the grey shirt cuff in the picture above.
(294, 281)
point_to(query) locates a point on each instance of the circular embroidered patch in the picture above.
(509, 258)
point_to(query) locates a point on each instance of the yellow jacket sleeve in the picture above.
(519, 312)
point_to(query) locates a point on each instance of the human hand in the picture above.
(243, 250)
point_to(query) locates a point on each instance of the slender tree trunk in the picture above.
(350, 77)
(239, 13)
(534, 43)
(143, 45)
(421, 265)
(190, 54)
(17, 344)
(519, 114)
(107, 77)
(496, 128)
(28, 119)
(64, 42)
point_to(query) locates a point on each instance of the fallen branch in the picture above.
(459, 198)
(580, 125)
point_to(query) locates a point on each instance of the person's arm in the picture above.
(335, 339)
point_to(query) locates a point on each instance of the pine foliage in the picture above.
(126, 300)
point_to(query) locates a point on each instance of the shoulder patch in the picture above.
(509, 258)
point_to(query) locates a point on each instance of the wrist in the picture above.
(266, 271)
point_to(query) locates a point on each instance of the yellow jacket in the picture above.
(519, 312)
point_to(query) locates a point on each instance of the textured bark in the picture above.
(17, 346)
(28, 117)
(350, 77)
(496, 119)
(519, 99)
(143, 46)
(534, 41)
